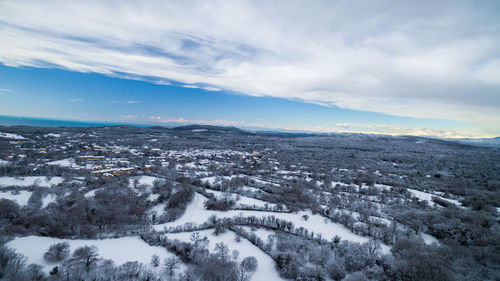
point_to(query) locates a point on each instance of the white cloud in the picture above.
(417, 58)
(79, 100)
(126, 101)
(128, 117)
(5, 91)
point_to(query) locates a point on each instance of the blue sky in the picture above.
(55, 93)
(421, 68)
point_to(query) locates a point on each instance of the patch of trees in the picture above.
(220, 204)
(176, 205)
(112, 211)
(219, 266)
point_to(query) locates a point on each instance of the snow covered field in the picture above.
(31, 180)
(48, 199)
(428, 197)
(11, 136)
(143, 180)
(20, 198)
(196, 213)
(68, 162)
(120, 250)
(243, 200)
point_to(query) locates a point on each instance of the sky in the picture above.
(428, 68)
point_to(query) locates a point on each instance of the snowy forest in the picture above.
(219, 203)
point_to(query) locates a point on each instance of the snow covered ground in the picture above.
(48, 199)
(143, 180)
(21, 198)
(243, 200)
(196, 213)
(91, 193)
(11, 136)
(259, 232)
(68, 162)
(428, 197)
(429, 239)
(266, 267)
(120, 250)
(31, 180)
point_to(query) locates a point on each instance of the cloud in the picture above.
(126, 101)
(5, 91)
(217, 122)
(423, 59)
(128, 117)
(79, 100)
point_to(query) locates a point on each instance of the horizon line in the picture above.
(174, 125)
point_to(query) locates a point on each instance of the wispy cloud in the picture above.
(78, 100)
(128, 117)
(217, 122)
(423, 59)
(126, 101)
(5, 91)
(206, 88)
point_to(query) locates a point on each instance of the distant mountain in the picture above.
(209, 128)
(492, 142)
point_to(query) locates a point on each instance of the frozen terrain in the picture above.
(28, 181)
(120, 250)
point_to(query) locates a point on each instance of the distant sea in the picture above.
(42, 122)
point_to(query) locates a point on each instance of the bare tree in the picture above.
(171, 264)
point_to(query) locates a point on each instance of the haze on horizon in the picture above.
(407, 67)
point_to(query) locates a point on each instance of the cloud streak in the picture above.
(426, 60)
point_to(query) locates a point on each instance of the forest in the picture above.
(218, 203)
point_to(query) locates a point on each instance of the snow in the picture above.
(159, 208)
(334, 183)
(68, 162)
(209, 180)
(196, 213)
(257, 180)
(120, 250)
(260, 232)
(91, 193)
(429, 239)
(4, 162)
(48, 199)
(243, 200)
(428, 197)
(383, 186)
(143, 180)
(266, 266)
(153, 197)
(249, 188)
(21, 198)
(11, 136)
(31, 180)
(52, 135)
(248, 201)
